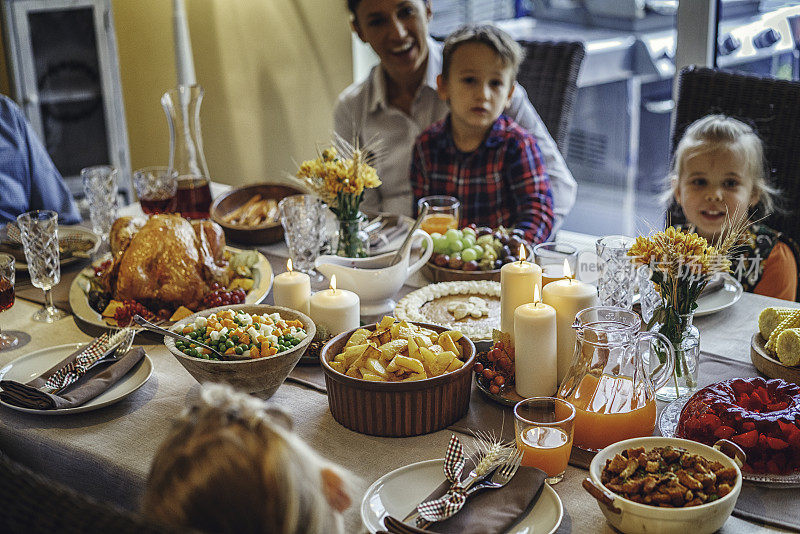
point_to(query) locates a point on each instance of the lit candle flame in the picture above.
(521, 252)
(333, 283)
(289, 265)
(567, 271)
(537, 298)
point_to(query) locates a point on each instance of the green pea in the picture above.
(238, 350)
(235, 338)
(229, 344)
(295, 341)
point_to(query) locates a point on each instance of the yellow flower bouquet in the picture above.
(340, 175)
(681, 265)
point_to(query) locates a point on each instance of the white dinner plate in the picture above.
(79, 301)
(720, 299)
(66, 259)
(398, 492)
(26, 368)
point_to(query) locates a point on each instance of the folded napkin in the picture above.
(492, 511)
(93, 383)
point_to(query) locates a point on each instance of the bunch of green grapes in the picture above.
(472, 249)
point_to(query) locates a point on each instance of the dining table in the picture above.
(107, 453)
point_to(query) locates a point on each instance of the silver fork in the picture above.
(499, 478)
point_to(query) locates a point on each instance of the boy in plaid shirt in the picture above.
(477, 154)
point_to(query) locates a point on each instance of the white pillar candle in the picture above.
(336, 310)
(535, 355)
(551, 273)
(568, 297)
(292, 289)
(183, 46)
(516, 288)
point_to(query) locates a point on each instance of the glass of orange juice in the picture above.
(550, 257)
(544, 428)
(443, 213)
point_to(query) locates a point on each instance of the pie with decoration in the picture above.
(472, 307)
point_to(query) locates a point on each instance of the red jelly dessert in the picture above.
(761, 416)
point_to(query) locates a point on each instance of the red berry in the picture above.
(478, 368)
(494, 390)
(499, 380)
(488, 374)
(746, 440)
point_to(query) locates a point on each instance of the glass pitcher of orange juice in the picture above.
(610, 382)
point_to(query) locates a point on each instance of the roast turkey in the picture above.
(164, 261)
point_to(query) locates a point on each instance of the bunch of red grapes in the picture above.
(124, 314)
(495, 367)
(221, 297)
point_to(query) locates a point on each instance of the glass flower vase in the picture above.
(685, 337)
(353, 240)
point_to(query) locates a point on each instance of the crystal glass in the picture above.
(444, 213)
(544, 428)
(649, 298)
(100, 188)
(686, 340)
(182, 107)
(39, 232)
(156, 188)
(7, 341)
(306, 229)
(616, 271)
(550, 256)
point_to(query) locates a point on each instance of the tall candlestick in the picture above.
(335, 310)
(568, 297)
(516, 288)
(536, 357)
(292, 289)
(183, 46)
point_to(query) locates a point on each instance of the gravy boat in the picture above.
(373, 279)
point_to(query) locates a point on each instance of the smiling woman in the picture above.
(398, 101)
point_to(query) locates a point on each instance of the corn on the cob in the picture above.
(770, 318)
(788, 346)
(791, 321)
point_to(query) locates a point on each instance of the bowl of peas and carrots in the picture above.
(261, 345)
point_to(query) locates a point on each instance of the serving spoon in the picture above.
(144, 323)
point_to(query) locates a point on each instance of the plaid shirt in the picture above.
(502, 182)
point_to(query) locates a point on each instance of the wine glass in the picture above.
(39, 231)
(100, 188)
(7, 296)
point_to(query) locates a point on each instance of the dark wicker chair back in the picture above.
(33, 504)
(770, 106)
(549, 74)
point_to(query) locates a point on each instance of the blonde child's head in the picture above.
(232, 464)
(479, 67)
(719, 174)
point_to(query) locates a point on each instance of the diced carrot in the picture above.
(187, 329)
(244, 338)
(261, 339)
(205, 351)
(264, 350)
(228, 323)
(230, 351)
(272, 350)
(254, 352)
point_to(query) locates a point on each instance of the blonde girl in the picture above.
(719, 172)
(232, 465)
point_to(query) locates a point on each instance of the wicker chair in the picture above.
(771, 107)
(549, 74)
(33, 504)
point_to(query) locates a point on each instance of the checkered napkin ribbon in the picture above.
(452, 501)
(75, 369)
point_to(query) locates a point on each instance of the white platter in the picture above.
(398, 492)
(26, 368)
(79, 302)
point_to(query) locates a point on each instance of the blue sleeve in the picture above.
(28, 178)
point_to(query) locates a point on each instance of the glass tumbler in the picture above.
(550, 256)
(100, 188)
(544, 428)
(305, 229)
(39, 232)
(443, 214)
(156, 188)
(616, 271)
(7, 341)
